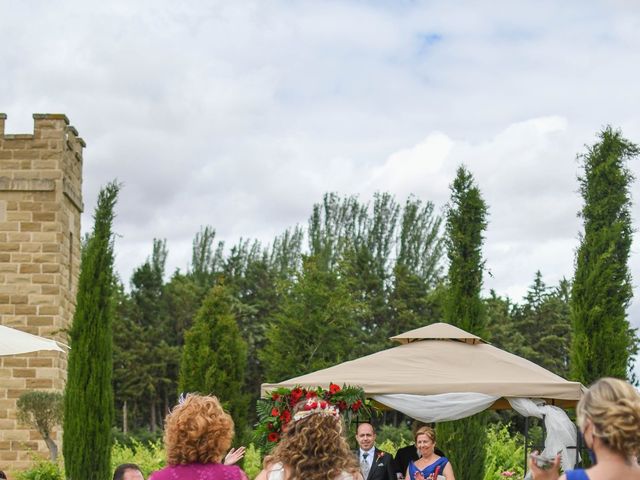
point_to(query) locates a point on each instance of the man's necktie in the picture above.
(364, 465)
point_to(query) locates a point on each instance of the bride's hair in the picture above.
(614, 408)
(314, 448)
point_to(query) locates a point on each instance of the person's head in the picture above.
(313, 445)
(365, 436)
(610, 412)
(3, 476)
(425, 438)
(127, 471)
(197, 431)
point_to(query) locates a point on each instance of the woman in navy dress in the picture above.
(609, 419)
(429, 466)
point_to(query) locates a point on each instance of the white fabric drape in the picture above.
(437, 408)
(561, 432)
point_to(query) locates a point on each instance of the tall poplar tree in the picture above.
(88, 400)
(603, 341)
(464, 440)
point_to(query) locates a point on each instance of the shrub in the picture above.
(42, 470)
(252, 463)
(149, 457)
(504, 452)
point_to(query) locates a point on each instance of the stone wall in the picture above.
(40, 207)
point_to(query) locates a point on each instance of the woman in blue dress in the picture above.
(429, 466)
(609, 420)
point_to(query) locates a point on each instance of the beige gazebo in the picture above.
(441, 358)
(440, 372)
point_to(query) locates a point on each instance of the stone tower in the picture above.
(40, 207)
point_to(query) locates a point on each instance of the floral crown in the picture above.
(312, 406)
(275, 410)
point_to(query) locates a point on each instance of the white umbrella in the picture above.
(15, 342)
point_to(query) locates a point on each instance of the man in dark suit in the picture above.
(374, 464)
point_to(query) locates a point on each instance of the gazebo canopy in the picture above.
(441, 358)
(15, 342)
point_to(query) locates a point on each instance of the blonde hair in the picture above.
(613, 406)
(314, 448)
(197, 431)
(425, 430)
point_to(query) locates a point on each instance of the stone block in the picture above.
(31, 247)
(21, 257)
(39, 383)
(40, 362)
(26, 310)
(50, 268)
(19, 299)
(10, 226)
(19, 216)
(42, 278)
(30, 206)
(24, 372)
(15, 361)
(19, 237)
(35, 320)
(30, 268)
(48, 310)
(8, 267)
(30, 227)
(44, 216)
(50, 290)
(50, 247)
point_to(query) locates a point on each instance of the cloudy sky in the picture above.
(241, 114)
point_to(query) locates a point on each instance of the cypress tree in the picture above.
(214, 356)
(88, 400)
(463, 440)
(603, 342)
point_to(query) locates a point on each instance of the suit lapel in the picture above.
(374, 463)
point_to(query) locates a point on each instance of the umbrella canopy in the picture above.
(15, 342)
(439, 359)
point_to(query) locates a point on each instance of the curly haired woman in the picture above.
(312, 448)
(609, 419)
(197, 434)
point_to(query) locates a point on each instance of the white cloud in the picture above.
(242, 114)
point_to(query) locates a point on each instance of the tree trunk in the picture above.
(53, 448)
(125, 418)
(153, 416)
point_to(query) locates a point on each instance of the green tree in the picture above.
(464, 440)
(214, 356)
(315, 326)
(603, 342)
(544, 322)
(42, 411)
(88, 400)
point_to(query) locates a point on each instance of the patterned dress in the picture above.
(436, 467)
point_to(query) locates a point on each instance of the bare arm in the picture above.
(448, 472)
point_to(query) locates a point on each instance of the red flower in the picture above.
(270, 426)
(295, 395)
(275, 396)
(356, 406)
(333, 388)
(342, 405)
(323, 404)
(285, 417)
(275, 412)
(311, 394)
(273, 437)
